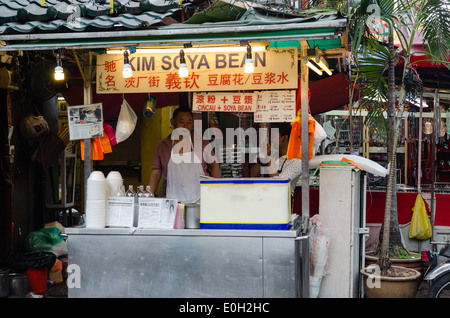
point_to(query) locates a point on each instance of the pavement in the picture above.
(60, 290)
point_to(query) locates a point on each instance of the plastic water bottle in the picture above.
(141, 192)
(131, 193)
(148, 192)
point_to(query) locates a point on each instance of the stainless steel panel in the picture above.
(184, 263)
(166, 266)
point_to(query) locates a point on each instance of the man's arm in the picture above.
(155, 177)
(214, 169)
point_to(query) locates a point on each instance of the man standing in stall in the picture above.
(179, 166)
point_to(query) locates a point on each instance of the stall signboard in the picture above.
(225, 102)
(85, 121)
(276, 106)
(275, 68)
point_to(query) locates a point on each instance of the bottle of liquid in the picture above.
(148, 192)
(120, 192)
(131, 193)
(141, 192)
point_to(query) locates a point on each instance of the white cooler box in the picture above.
(245, 203)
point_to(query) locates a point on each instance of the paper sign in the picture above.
(85, 121)
(225, 102)
(275, 106)
(120, 212)
(157, 213)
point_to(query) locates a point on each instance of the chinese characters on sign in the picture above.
(275, 106)
(213, 71)
(268, 106)
(225, 102)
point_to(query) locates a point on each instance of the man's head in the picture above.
(182, 118)
(284, 132)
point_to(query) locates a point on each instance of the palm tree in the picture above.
(406, 19)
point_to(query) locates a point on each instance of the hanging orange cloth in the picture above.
(295, 141)
(96, 149)
(105, 143)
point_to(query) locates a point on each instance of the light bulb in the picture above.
(183, 70)
(249, 67)
(59, 73)
(127, 72)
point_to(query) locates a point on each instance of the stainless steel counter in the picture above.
(117, 262)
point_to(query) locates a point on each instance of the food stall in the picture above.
(131, 261)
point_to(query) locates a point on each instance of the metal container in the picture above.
(192, 216)
(4, 282)
(18, 285)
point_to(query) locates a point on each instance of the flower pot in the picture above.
(414, 263)
(402, 283)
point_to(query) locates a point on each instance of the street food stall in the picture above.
(111, 257)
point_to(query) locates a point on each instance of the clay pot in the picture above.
(376, 286)
(414, 263)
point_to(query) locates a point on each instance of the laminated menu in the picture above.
(157, 213)
(120, 212)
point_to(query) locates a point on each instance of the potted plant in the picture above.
(374, 55)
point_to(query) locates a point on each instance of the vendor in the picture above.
(178, 165)
(277, 163)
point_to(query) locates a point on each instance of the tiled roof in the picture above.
(27, 16)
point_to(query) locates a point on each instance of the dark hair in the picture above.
(283, 128)
(180, 110)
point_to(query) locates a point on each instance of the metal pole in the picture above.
(419, 159)
(304, 74)
(87, 91)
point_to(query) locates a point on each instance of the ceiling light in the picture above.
(182, 69)
(127, 72)
(313, 67)
(249, 66)
(323, 64)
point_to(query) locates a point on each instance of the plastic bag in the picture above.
(110, 132)
(420, 227)
(96, 149)
(319, 240)
(23, 261)
(43, 240)
(126, 122)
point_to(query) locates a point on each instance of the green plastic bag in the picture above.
(43, 240)
(420, 227)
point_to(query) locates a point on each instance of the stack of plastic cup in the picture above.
(96, 200)
(113, 181)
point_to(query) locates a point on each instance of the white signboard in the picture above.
(275, 106)
(85, 121)
(157, 213)
(225, 102)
